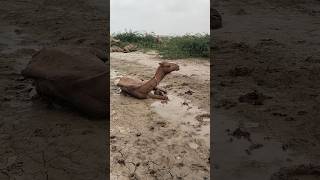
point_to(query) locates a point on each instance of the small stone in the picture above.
(193, 145)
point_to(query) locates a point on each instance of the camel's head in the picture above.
(168, 67)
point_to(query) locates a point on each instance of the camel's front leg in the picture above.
(154, 96)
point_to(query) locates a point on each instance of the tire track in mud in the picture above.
(154, 140)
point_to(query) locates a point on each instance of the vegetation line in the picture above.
(169, 47)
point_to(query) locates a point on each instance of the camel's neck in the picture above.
(159, 75)
(152, 83)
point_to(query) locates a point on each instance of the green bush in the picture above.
(141, 40)
(186, 46)
(175, 47)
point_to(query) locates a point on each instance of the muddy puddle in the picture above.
(190, 117)
(236, 143)
(178, 111)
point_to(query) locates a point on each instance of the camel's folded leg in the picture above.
(154, 96)
(124, 93)
(159, 91)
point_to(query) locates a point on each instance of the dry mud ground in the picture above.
(151, 140)
(266, 81)
(38, 142)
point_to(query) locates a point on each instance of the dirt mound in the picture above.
(116, 49)
(114, 42)
(118, 46)
(130, 48)
(76, 76)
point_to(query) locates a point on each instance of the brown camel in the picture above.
(141, 89)
(74, 76)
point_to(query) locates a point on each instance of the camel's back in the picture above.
(126, 82)
(79, 78)
(57, 64)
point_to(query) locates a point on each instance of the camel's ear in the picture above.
(161, 64)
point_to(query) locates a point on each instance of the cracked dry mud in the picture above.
(151, 140)
(38, 142)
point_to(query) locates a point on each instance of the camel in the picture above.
(142, 90)
(74, 76)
